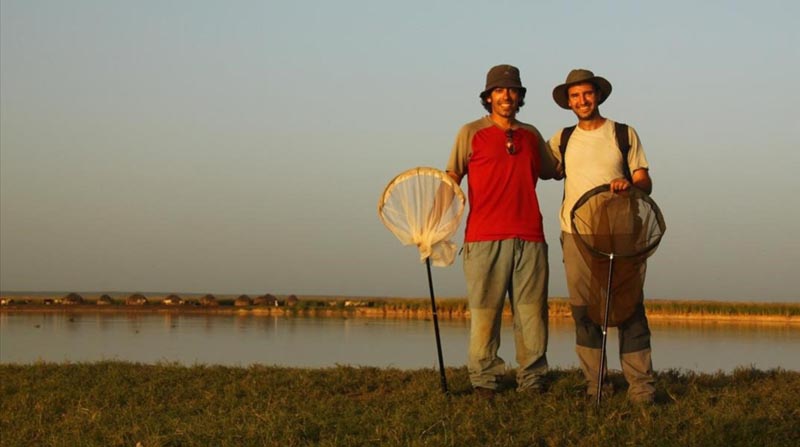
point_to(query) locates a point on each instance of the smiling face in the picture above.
(583, 100)
(504, 101)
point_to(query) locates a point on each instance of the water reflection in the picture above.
(246, 339)
(714, 346)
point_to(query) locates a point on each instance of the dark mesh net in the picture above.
(625, 224)
(620, 231)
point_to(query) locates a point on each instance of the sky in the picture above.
(241, 147)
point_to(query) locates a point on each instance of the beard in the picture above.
(588, 114)
(506, 110)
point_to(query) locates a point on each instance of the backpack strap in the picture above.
(624, 144)
(562, 146)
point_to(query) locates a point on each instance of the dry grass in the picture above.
(683, 310)
(124, 404)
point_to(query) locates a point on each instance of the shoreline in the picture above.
(557, 313)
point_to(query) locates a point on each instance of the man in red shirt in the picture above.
(504, 246)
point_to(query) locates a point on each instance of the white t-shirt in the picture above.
(593, 159)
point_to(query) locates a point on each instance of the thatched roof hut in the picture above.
(137, 299)
(266, 300)
(209, 300)
(292, 300)
(104, 300)
(72, 298)
(243, 301)
(173, 300)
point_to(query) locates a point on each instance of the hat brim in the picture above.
(486, 92)
(560, 92)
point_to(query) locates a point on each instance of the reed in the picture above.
(685, 307)
(560, 306)
(455, 307)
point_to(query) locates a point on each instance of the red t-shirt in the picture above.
(502, 186)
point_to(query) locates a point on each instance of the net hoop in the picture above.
(632, 194)
(412, 209)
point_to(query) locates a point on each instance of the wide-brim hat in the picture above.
(580, 76)
(503, 76)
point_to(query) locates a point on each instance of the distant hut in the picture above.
(292, 301)
(266, 300)
(209, 301)
(137, 299)
(243, 301)
(104, 300)
(72, 299)
(173, 300)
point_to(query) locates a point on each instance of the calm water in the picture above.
(321, 342)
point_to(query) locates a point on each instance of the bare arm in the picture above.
(551, 167)
(641, 180)
(444, 197)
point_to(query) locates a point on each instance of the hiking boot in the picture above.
(484, 393)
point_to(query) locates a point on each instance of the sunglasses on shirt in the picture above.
(510, 142)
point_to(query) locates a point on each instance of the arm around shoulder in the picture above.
(550, 165)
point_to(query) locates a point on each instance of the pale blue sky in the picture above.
(241, 147)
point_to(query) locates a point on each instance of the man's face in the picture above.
(504, 101)
(583, 100)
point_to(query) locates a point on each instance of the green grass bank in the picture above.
(127, 404)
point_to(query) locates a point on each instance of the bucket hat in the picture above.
(579, 76)
(503, 76)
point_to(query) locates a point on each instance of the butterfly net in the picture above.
(423, 207)
(627, 225)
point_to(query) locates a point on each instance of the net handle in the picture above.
(646, 251)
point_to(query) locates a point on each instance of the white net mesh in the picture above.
(423, 207)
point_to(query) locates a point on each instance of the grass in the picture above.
(128, 404)
(722, 308)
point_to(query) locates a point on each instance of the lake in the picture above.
(242, 340)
